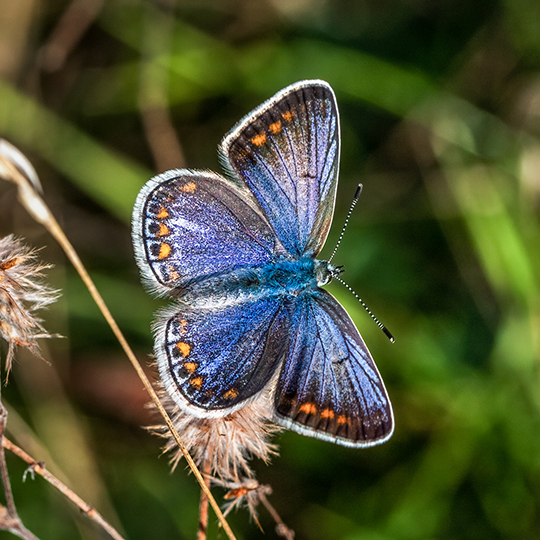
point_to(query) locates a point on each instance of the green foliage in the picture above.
(439, 106)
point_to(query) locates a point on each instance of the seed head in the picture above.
(22, 292)
(226, 444)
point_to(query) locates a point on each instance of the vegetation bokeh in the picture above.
(440, 119)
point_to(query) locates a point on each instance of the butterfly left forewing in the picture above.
(287, 152)
(329, 386)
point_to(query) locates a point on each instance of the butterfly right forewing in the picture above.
(329, 386)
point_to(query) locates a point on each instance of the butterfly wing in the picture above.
(212, 361)
(192, 224)
(329, 386)
(287, 153)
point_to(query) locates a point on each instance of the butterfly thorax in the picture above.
(295, 276)
(282, 277)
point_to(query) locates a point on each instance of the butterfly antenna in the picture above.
(363, 304)
(353, 204)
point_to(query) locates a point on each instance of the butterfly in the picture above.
(238, 254)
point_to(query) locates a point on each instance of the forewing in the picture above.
(287, 152)
(192, 224)
(214, 360)
(329, 386)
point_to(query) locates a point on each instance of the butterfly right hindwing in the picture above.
(214, 360)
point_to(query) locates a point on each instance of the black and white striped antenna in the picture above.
(362, 303)
(353, 204)
(387, 332)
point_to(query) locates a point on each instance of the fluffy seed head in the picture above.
(22, 292)
(223, 445)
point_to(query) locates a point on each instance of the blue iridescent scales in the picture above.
(237, 253)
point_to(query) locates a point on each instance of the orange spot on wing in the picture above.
(231, 394)
(163, 230)
(287, 116)
(308, 408)
(163, 213)
(164, 251)
(342, 419)
(196, 382)
(191, 367)
(189, 187)
(173, 274)
(184, 348)
(275, 127)
(183, 326)
(259, 140)
(327, 413)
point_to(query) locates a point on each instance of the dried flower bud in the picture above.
(226, 443)
(222, 447)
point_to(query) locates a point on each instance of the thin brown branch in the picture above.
(39, 468)
(14, 525)
(10, 503)
(9, 518)
(281, 528)
(202, 529)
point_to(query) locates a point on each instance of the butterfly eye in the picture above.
(326, 272)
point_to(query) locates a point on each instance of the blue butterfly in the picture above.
(238, 255)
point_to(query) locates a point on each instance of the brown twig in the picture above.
(202, 529)
(39, 468)
(281, 528)
(38, 209)
(10, 503)
(9, 518)
(14, 525)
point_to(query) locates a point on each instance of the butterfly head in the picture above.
(325, 272)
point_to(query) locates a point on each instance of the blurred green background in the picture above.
(440, 111)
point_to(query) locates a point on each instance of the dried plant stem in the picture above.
(281, 528)
(40, 469)
(203, 504)
(10, 503)
(40, 212)
(9, 518)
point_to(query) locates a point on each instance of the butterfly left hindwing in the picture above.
(218, 359)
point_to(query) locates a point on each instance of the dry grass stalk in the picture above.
(16, 168)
